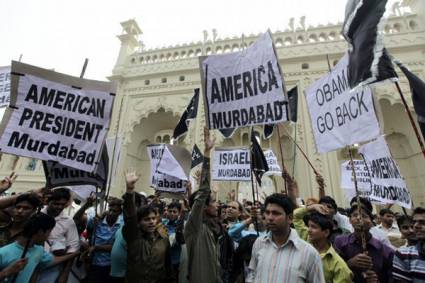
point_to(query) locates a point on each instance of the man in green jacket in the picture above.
(202, 229)
(148, 258)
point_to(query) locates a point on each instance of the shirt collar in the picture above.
(293, 238)
(372, 241)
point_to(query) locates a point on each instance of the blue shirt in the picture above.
(175, 249)
(119, 255)
(36, 256)
(105, 235)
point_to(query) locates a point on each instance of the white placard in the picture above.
(274, 168)
(160, 181)
(362, 175)
(4, 86)
(56, 117)
(244, 88)
(231, 164)
(388, 185)
(170, 166)
(340, 117)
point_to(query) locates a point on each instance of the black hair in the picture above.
(194, 196)
(176, 205)
(37, 222)
(139, 199)
(60, 193)
(418, 210)
(364, 201)
(329, 200)
(323, 221)
(354, 208)
(31, 198)
(144, 211)
(282, 201)
(384, 211)
(248, 203)
(115, 202)
(403, 219)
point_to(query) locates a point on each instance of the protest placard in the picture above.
(362, 175)
(162, 181)
(274, 168)
(4, 86)
(56, 117)
(244, 88)
(339, 116)
(231, 164)
(388, 185)
(61, 175)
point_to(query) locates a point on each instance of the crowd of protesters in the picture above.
(45, 237)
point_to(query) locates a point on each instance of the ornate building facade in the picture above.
(155, 86)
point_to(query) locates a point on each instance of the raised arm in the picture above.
(130, 230)
(196, 214)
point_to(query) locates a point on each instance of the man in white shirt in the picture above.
(64, 237)
(281, 255)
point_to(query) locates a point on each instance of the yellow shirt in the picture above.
(335, 268)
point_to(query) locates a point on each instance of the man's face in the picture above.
(40, 237)
(316, 233)
(22, 211)
(148, 223)
(114, 211)
(331, 209)
(407, 231)
(212, 209)
(173, 213)
(388, 219)
(232, 211)
(277, 221)
(55, 207)
(355, 221)
(419, 226)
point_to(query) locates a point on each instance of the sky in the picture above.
(60, 34)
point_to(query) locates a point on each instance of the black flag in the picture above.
(368, 61)
(190, 113)
(258, 160)
(417, 87)
(228, 133)
(197, 157)
(293, 111)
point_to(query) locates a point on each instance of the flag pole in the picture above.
(252, 179)
(113, 154)
(281, 158)
(83, 71)
(359, 206)
(412, 122)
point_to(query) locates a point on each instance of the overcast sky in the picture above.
(60, 34)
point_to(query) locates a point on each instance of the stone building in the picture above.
(155, 85)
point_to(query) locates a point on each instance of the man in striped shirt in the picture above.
(281, 255)
(409, 262)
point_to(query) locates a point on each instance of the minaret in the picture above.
(129, 42)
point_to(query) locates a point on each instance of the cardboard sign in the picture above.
(162, 181)
(388, 185)
(4, 86)
(56, 117)
(231, 164)
(339, 116)
(274, 168)
(60, 175)
(244, 88)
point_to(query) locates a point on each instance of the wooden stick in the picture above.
(412, 122)
(83, 71)
(281, 157)
(252, 180)
(359, 206)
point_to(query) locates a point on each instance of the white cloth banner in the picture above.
(56, 117)
(170, 166)
(244, 88)
(231, 164)
(4, 86)
(274, 168)
(340, 117)
(160, 181)
(388, 185)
